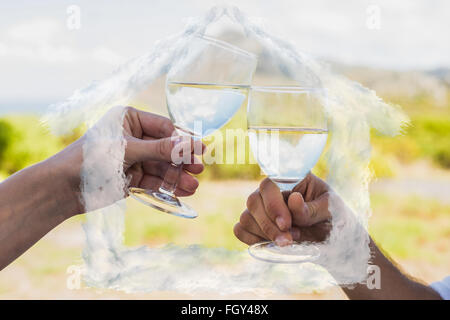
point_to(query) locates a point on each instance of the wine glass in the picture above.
(204, 89)
(287, 128)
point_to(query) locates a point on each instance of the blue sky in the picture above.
(42, 61)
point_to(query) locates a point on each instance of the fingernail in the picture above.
(282, 241)
(280, 223)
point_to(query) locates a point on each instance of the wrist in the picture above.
(64, 174)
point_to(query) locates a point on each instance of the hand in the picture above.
(298, 215)
(148, 152)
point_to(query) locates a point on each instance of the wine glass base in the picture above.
(163, 202)
(294, 253)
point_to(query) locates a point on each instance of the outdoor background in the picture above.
(397, 48)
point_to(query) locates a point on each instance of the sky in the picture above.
(45, 56)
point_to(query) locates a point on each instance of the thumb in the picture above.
(138, 150)
(308, 213)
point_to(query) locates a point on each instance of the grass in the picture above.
(219, 206)
(411, 227)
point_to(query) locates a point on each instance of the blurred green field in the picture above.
(24, 141)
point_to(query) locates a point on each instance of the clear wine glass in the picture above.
(287, 129)
(204, 89)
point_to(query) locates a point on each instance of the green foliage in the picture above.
(25, 141)
(427, 137)
(433, 137)
(6, 132)
(410, 227)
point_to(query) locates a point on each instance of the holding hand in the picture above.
(150, 142)
(149, 149)
(298, 215)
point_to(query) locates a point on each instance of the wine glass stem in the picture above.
(171, 177)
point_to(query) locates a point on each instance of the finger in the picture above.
(316, 233)
(189, 146)
(311, 186)
(194, 168)
(158, 168)
(171, 149)
(135, 174)
(249, 224)
(302, 186)
(153, 183)
(308, 213)
(185, 180)
(195, 159)
(256, 208)
(154, 125)
(143, 150)
(184, 148)
(275, 205)
(198, 146)
(183, 193)
(245, 236)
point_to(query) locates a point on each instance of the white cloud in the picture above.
(33, 32)
(106, 55)
(37, 40)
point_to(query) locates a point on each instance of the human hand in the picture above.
(148, 151)
(298, 215)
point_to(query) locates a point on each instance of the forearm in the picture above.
(394, 284)
(35, 200)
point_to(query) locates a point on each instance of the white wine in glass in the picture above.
(287, 129)
(198, 109)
